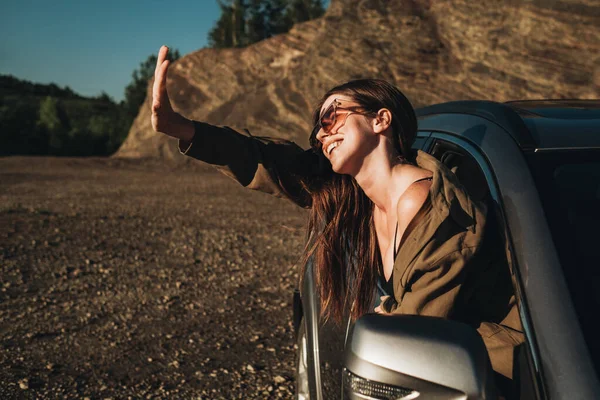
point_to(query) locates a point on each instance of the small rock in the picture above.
(24, 384)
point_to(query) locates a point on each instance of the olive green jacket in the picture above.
(450, 265)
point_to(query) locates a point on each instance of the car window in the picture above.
(466, 168)
(419, 143)
(569, 188)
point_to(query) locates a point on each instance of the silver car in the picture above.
(538, 163)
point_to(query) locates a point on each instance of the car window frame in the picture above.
(567, 367)
(533, 356)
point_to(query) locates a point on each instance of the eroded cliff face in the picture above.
(433, 50)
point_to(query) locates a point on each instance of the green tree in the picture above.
(256, 22)
(34, 121)
(276, 16)
(20, 133)
(243, 22)
(53, 121)
(99, 131)
(304, 10)
(230, 28)
(49, 114)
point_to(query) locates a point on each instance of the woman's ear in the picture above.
(382, 121)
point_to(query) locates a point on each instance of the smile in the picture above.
(332, 146)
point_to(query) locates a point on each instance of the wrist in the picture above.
(185, 128)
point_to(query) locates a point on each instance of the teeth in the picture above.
(332, 146)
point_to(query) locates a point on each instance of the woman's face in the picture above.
(345, 134)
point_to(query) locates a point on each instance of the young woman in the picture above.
(379, 216)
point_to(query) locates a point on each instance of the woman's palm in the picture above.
(162, 112)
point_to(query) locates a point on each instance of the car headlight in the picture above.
(356, 387)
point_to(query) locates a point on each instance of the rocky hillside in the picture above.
(434, 50)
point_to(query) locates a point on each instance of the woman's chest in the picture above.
(387, 259)
(388, 236)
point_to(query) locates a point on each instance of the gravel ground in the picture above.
(134, 279)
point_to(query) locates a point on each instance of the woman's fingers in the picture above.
(159, 88)
(162, 56)
(161, 111)
(380, 310)
(162, 114)
(160, 96)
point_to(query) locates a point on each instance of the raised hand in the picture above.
(164, 118)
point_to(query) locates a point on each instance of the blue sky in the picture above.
(94, 46)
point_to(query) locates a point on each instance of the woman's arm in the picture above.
(272, 166)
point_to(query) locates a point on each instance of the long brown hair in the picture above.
(342, 239)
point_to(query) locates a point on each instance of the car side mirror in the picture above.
(409, 357)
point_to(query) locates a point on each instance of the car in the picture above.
(538, 164)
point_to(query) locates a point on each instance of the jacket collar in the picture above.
(448, 197)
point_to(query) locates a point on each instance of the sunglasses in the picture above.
(329, 120)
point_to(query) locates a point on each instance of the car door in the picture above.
(469, 164)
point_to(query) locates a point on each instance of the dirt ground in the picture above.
(135, 279)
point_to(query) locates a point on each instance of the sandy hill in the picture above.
(434, 50)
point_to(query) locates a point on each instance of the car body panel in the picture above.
(310, 311)
(565, 364)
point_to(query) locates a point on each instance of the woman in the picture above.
(378, 215)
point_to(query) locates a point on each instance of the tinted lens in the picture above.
(328, 118)
(326, 122)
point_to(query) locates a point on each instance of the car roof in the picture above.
(535, 124)
(561, 124)
(561, 109)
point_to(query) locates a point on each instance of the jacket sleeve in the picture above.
(432, 290)
(502, 343)
(275, 166)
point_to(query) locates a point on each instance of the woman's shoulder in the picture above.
(413, 199)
